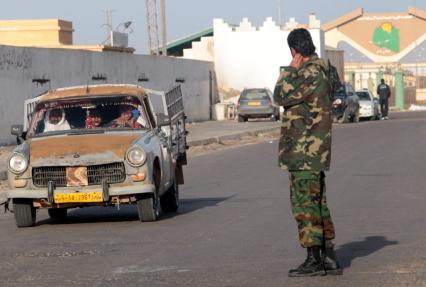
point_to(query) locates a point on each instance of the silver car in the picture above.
(369, 107)
(257, 103)
(102, 145)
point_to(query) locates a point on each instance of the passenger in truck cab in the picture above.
(55, 121)
(93, 120)
(125, 120)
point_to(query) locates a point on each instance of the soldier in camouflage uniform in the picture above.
(303, 89)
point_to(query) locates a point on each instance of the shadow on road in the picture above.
(349, 251)
(129, 212)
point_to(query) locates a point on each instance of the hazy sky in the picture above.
(184, 16)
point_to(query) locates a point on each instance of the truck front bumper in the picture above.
(112, 190)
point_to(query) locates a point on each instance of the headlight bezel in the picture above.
(130, 156)
(25, 161)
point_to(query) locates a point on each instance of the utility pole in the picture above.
(163, 27)
(108, 26)
(152, 27)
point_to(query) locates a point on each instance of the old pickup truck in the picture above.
(98, 145)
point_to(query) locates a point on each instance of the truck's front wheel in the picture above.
(25, 213)
(149, 204)
(148, 207)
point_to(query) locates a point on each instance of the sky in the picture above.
(185, 17)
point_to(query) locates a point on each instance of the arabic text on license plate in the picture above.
(254, 103)
(94, 196)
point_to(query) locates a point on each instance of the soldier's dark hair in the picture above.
(300, 39)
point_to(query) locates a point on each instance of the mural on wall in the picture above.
(386, 36)
(382, 37)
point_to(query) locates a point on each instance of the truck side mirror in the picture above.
(163, 120)
(18, 131)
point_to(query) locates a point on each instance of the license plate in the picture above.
(77, 176)
(254, 103)
(95, 196)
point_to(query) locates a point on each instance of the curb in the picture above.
(236, 136)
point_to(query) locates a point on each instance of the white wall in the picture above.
(248, 56)
(201, 50)
(19, 66)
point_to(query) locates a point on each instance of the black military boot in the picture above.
(331, 265)
(312, 266)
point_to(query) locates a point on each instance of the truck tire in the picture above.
(241, 119)
(170, 200)
(149, 204)
(25, 213)
(148, 207)
(57, 213)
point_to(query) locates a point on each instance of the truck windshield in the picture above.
(89, 115)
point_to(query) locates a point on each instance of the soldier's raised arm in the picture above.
(294, 86)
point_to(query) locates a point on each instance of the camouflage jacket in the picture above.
(305, 142)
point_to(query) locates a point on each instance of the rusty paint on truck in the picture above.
(83, 144)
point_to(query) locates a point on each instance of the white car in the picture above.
(369, 107)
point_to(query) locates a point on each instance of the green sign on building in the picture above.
(387, 36)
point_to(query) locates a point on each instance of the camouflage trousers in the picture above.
(309, 207)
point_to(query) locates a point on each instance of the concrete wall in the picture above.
(21, 70)
(248, 56)
(36, 32)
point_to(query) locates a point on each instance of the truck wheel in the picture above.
(148, 207)
(25, 213)
(57, 213)
(149, 204)
(170, 200)
(241, 119)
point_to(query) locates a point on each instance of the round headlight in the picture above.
(18, 163)
(136, 156)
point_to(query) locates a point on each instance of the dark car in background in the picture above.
(345, 105)
(257, 103)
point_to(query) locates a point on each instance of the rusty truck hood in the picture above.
(75, 150)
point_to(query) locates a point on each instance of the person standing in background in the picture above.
(384, 93)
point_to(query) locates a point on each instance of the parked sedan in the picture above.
(257, 103)
(369, 107)
(345, 105)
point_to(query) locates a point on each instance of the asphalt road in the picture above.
(235, 227)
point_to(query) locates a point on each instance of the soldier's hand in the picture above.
(297, 61)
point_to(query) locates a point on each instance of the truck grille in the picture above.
(111, 172)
